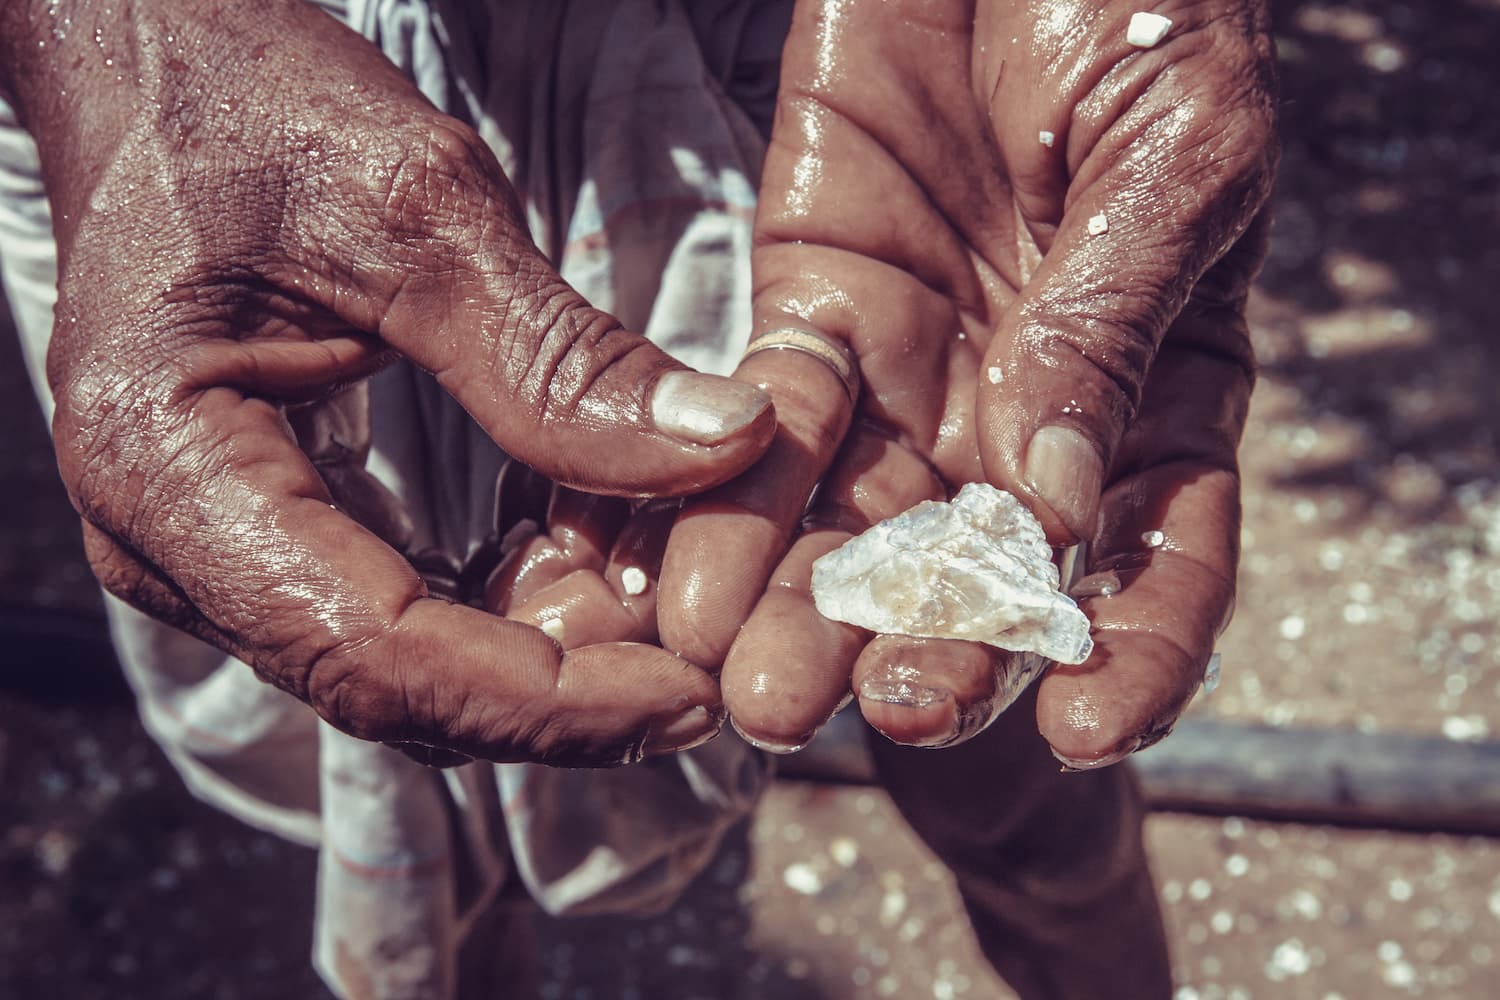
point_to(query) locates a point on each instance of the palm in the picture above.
(911, 207)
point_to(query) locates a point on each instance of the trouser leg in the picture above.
(1051, 866)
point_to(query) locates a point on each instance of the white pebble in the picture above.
(1046, 138)
(994, 374)
(1146, 29)
(803, 878)
(552, 628)
(633, 579)
(1152, 539)
(844, 851)
(1466, 728)
(1099, 225)
(1289, 959)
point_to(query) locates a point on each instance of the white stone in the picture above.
(978, 568)
(1146, 29)
(1098, 225)
(553, 629)
(633, 579)
(994, 374)
(1046, 138)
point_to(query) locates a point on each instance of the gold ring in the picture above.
(835, 354)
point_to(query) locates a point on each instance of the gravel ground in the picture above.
(1369, 597)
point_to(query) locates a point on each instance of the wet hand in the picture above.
(1036, 239)
(254, 210)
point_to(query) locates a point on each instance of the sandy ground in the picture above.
(1370, 594)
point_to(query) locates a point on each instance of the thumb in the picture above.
(1164, 188)
(448, 275)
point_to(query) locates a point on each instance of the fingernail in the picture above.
(690, 728)
(1064, 469)
(705, 409)
(917, 698)
(1093, 764)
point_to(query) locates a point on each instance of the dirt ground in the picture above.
(1370, 594)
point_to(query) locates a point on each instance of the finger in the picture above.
(817, 271)
(522, 495)
(1169, 533)
(367, 500)
(449, 277)
(239, 524)
(933, 692)
(789, 669)
(615, 599)
(1168, 157)
(580, 530)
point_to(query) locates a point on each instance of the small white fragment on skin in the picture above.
(1098, 225)
(633, 579)
(1153, 539)
(1211, 674)
(802, 878)
(994, 374)
(844, 851)
(1046, 138)
(1146, 29)
(552, 628)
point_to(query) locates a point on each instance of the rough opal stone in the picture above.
(976, 568)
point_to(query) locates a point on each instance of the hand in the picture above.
(928, 200)
(254, 210)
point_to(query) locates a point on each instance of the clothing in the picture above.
(632, 131)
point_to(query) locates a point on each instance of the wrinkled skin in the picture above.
(910, 210)
(254, 210)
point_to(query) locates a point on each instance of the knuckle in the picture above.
(438, 183)
(363, 703)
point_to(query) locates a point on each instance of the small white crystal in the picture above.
(1146, 29)
(552, 628)
(1098, 225)
(844, 851)
(633, 579)
(1046, 138)
(1211, 674)
(803, 878)
(1152, 539)
(978, 568)
(994, 374)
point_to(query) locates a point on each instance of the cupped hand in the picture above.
(1036, 239)
(254, 210)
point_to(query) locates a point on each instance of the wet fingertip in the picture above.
(710, 409)
(771, 745)
(1072, 764)
(689, 728)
